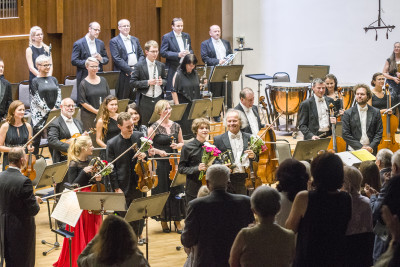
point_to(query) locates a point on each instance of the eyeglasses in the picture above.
(45, 65)
(154, 51)
(96, 30)
(125, 26)
(69, 106)
(94, 67)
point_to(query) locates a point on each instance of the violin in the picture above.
(337, 144)
(92, 130)
(146, 181)
(390, 124)
(268, 162)
(340, 97)
(174, 161)
(98, 186)
(252, 181)
(28, 169)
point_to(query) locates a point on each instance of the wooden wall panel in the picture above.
(13, 54)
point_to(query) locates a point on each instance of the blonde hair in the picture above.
(76, 147)
(352, 180)
(161, 105)
(32, 33)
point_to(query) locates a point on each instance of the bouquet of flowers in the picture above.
(257, 145)
(210, 153)
(101, 164)
(147, 146)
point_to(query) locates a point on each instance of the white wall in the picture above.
(287, 33)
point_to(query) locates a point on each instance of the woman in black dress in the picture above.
(186, 89)
(391, 70)
(379, 96)
(190, 162)
(167, 139)
(15, 131)
(36, 48)
(107, 126)
(332, 92)
(92, 91)
(45, 95)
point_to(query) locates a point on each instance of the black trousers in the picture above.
(146, 107)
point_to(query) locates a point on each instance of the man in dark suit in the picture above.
(5, 92)
(175, 45)
(250, 111)
(63, 127)
(123, 177)
(18, 206)
(88, 46)
(213, 52)
(213, 221)
(314, 118)
(126, 52)
(362, 124)
(149, 79)
(236, 142)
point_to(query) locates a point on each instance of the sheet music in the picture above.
(348, 158)
(67, 209)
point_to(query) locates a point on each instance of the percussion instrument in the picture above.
(348, 94)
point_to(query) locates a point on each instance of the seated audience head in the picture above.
(352, 180)
(80, 145)
(392, 199)
(217, 177)
(265, 201)
(16, 109)
(200, 123)
(67, 107)
(292, 177)
(134, 110)
(379, 79)
(331, 83)
(125, 124)
(16, 157)
(318, 87)
(189, 63)
(203, 191)
(384, 158)
(235, 120)
(327, 172)
(247, 97)
(116, 241)
(370, 175)
(396, 163)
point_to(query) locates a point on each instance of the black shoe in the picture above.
(165, 227)
(177, 230)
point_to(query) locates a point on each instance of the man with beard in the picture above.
(362, 124)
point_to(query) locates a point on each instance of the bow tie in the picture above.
(364, 108)
(235, 136)
(320, 99)
(180, 35)
(69, 120)
(127, 38)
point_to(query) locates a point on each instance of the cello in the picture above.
(390, 124)
(337, 144)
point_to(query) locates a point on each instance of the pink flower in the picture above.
(209, 149)
(263, 148)
(215, 154)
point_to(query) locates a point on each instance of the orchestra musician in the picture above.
(213, 52)
(163, 143)
(149, 78)
(186, 88)
(125, 52)
(190, 161)
(134, 110)
(63, 127)
(331, 84)
(88, 46)
(15, 131)
(362, 124)
(246, 106)
(80, 172)
(237, 142)
(175, 45)
(391, 70)
(314, 113)
(379, 96)
(45, 95)
(123, 177)
(5, 92)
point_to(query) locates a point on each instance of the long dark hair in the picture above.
(392, 61)
(292, 176)
(188, 59)
(105, 115)
(332, 77)
(116, 241)
(135, 108)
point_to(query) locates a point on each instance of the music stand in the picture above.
(52, 175)
(66, 91)
(101, 201)
(308, 149)
(217, 105)
(176, 113)
(143, 208)
(111, 77)
(200, 108)
(179, 179)
(307, 73)
(241, 50)
(226, 74)
(200, 71)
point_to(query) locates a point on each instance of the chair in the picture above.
(283, 150)
(66, 90)
(71, 80)
(281, 77)
(216, 128)
(23, 93)
(14, 90)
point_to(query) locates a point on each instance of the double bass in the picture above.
(390, 124)
(337, 144)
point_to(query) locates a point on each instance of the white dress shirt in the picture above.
(251, 117)
(73, 129)
(154, 90)
(236, 142)
(181, 45)
(130, 49)
(92, 47)
(363, 120)
(219, 47)
(323, 116)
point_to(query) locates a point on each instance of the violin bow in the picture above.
(265, 131)
(41, 130)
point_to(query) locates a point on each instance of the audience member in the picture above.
(321, 217)
(384, 163)
(370, 175)
(292, 177)
(266, 243)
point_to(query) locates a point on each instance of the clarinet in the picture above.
(202, 78)
(154, 77)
